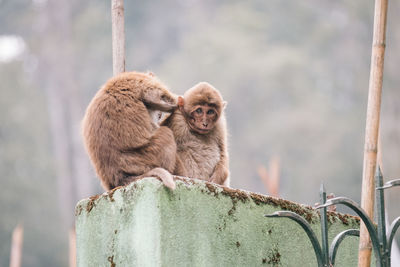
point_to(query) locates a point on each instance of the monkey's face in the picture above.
(203, 118)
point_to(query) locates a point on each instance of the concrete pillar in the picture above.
(198, 224)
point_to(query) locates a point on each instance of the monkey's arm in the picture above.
(162, 106)
(221, 170)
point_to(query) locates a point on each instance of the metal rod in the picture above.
(303, 223)
(337, 240)
(324, 226)
(392, 231)
(380, 215)
(390, 184)
(364, 217)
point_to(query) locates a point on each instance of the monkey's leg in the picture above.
(180, 169)
(157, 158)
(159, 151)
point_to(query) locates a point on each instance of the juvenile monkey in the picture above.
(121, 132)
(199, 127)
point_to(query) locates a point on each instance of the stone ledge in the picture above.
(199, 224)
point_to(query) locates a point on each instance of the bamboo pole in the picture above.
(372, 127)
(16, 246)
(118, 36)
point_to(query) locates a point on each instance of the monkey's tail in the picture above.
(163, 175)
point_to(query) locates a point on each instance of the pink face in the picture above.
(203, 118)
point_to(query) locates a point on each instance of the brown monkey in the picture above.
(199, 127)
(121, 131)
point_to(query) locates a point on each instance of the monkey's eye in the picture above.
(210, 112)
(199, 111)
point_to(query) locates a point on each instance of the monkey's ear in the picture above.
(150, 73)
(224, 104)
(180, 101)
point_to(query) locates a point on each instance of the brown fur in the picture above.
(203, 155)
(121, 137)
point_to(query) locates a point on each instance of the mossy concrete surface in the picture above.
(198, 224)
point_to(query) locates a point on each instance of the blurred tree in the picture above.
(57, 62)
(26, 171)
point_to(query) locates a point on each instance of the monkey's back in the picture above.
(116, 121)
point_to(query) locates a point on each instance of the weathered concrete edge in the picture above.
(307, 212)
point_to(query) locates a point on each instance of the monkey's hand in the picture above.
(220, 174)
(163, 175)
(162, 106)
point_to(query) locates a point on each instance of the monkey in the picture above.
(121, 130)
(199, 127)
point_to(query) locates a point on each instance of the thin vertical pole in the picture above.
(380, 216)
(72, 248)
(324, 226)
(16, 246)
(372, 127)
(118, 36)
